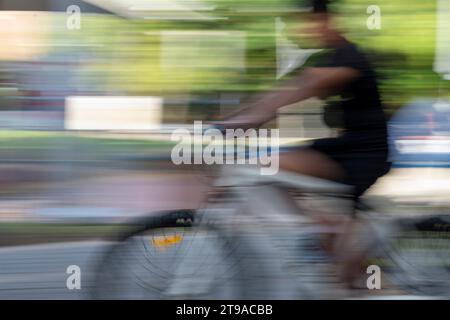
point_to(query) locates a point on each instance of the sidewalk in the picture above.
(110, 196)
(114, 195)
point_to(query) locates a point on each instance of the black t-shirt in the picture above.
(358, 104)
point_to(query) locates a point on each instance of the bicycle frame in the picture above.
(267, 219)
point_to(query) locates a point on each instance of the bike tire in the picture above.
(113, 273)
(430, 238)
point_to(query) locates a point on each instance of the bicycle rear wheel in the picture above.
(168, 258)
(419, 251)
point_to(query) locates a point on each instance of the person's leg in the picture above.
(351, 251)
(340, 243)
(351, 248)
(312, 163)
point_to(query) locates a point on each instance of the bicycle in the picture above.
(248, 242)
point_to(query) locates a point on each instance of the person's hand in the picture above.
(245, 119)
(235, 124)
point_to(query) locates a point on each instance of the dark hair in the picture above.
(320, 6)
(315, 6)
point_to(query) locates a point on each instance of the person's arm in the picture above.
(313, 82)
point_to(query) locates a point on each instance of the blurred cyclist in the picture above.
(359, 154)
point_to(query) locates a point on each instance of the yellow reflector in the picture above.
(166, 241)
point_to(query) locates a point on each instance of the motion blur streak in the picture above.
(87, 108)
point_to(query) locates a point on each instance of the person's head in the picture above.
(316, 27)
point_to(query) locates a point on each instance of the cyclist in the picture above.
(359, 154)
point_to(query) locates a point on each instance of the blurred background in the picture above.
(90, 92)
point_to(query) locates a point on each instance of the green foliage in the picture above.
(139, 57)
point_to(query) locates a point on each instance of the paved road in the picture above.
(39, 271)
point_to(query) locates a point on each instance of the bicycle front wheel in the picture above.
(170, 261)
